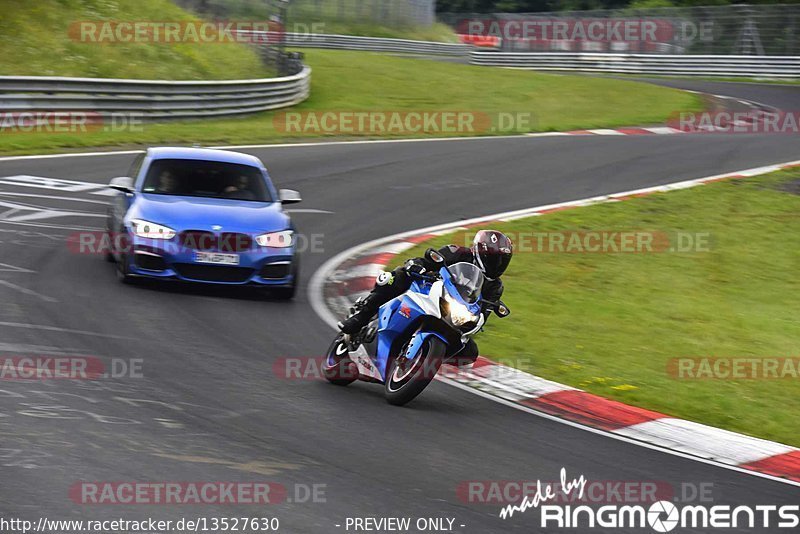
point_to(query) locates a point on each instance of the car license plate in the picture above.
(216, 258)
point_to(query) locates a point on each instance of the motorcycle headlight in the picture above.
(276, 239)
(458, 313)
(151, 230)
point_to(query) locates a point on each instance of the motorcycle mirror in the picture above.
(434, 256)
(502, 310)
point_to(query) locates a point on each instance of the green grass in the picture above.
(610, 323)
(35, 41)
(346, 81)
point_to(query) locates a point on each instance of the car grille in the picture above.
(213, 273)
(211, 242)
(198, 240)
(232, 242)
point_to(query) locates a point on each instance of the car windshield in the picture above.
(468, 281)
(209, 179)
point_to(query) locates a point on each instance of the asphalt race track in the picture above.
(210, 406)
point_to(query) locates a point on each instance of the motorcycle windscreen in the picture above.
(467, 279)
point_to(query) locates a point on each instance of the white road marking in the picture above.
(26, 291)
(54, 197)
(306, 210)
(51, 214)
(59, 329)
(37, 212)
(55, 226)
(5, 267)
(57, 184)
(36, 349)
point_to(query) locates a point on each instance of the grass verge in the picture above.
(612, 323)
(35, 40)
(361, 81)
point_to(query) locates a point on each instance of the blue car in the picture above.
(201, 215)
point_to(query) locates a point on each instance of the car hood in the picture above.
(197, 213)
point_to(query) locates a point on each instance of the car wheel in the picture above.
(122, 270)
(108, 255)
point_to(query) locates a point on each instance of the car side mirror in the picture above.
(123, 184)
(433, 256)
(502, 310)
(289, 196)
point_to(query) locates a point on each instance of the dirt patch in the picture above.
(792, 187)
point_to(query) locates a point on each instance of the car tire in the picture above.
(108, 255)
(122, 270)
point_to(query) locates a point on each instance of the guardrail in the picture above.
(152, 99)
(690, 65)
(374, 44)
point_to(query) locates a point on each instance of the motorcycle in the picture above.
(404, 346)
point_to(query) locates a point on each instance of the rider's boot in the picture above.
(366, 308)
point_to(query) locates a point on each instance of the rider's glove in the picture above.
(414, 266)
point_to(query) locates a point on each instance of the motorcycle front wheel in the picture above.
(407, 378)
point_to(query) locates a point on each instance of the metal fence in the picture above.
(711, 30)
(151, 99)
(389, 13)
(375, 44)
(779, 67)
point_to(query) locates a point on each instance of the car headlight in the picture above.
(151, 230)
(458, 313)
(276, 239)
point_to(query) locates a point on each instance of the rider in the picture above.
(491, 251)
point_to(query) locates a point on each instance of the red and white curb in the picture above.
(352, 273)
(633, 130)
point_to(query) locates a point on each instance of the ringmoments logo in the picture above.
(660, 516)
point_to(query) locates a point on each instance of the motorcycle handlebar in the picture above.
(423, 276)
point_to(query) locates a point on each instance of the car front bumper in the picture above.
(260, 266)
